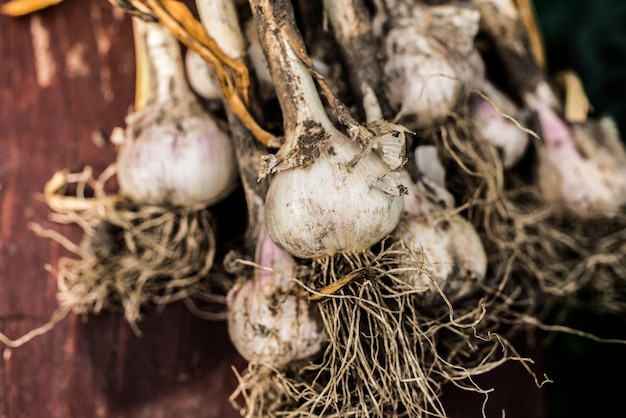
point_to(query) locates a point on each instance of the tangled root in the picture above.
(539, 250)
(389, 353)
(131, 255)
(393, 344)
(590, 270)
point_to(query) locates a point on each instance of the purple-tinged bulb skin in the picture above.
(492, 126)
(172, 152)
(585, 181)
(176, 158)
(268, 324)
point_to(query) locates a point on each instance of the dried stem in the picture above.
(25, 7)
(220, 19)
(161, 76)
(529, 18)
(504, 25)
(352, 27)
(296, 91)
(293, 70)
(232, 73)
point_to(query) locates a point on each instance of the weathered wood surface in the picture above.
(67, 78)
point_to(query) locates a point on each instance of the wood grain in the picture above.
(54, 100)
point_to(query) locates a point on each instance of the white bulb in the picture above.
(172, 150)
(429, 66)
(267, 323)
(488, 124)
(174, 156)
(329, 206)
(453, 251)
(201, 76)
(273, 331)
(583, 168)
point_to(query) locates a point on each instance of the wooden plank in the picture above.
(67, 76)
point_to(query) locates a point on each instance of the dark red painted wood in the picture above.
(180, 367)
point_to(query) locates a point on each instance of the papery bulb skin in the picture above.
(201, 76)
(172, 152)
(175, 157)
(454, 252)
(429, 69)
(489, 125)
(576, 168)
(329, 206)
(266, 323)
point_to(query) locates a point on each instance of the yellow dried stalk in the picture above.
(529, 19)
(142, 75)
(23, 7)
(576, 102)
(232, 73)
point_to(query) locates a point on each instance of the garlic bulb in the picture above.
(431, 62)
(428, 163)
(330, 207)
(491, 121)
(454, 252)
(172, 151)
(201, 76)
(326, 195)
(579, 166)
(266, 323)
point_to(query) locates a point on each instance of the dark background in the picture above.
(589, 37)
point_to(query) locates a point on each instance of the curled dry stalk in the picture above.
(25, 7)
(232, 73)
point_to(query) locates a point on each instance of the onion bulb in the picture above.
(172, 150)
